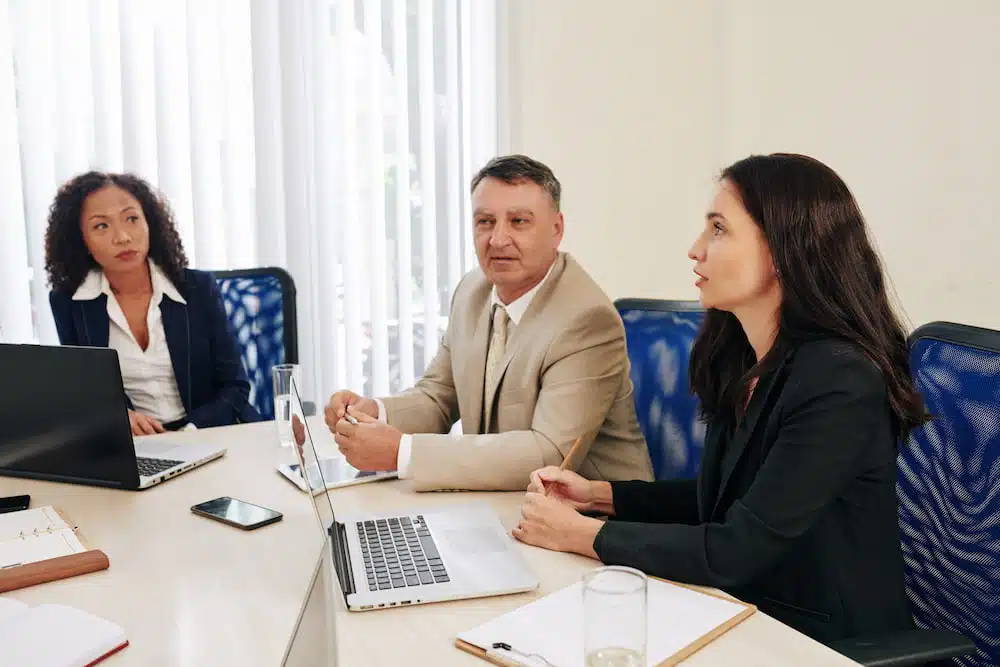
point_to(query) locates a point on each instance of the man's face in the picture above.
(517, 234)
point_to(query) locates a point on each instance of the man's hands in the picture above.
(367, 444)
(336, 407)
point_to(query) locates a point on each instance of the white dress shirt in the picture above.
(147, 374)
(515, 312)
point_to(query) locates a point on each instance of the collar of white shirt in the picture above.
(96, 284)
(519, 306)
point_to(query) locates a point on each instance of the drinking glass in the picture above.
(283, 375)
(614, 617)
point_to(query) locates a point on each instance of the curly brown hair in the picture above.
(67, 260)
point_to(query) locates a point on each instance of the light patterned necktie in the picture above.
(494, 357)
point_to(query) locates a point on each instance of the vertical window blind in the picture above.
(333, 138)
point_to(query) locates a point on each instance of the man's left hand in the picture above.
(369, 444)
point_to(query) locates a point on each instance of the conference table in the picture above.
(190, 591)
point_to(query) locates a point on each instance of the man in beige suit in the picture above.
(533, 358)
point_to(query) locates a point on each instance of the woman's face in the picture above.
(114, 229)
(732, 259)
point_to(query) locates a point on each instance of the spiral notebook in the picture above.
(549, 631)
(40, 545)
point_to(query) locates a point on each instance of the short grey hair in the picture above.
(513, 169)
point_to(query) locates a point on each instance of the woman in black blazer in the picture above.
(802, 373)
(119, 279)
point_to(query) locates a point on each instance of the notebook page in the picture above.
(553, 626)
(38, 519)
(37, 547)
(9, 608)
(83, 638)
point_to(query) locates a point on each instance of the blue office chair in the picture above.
(659, 335)
(260, 306)
(949, 506)
(949, 487)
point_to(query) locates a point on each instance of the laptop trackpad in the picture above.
(153, 448)
(472, 541)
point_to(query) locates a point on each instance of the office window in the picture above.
(334, 138)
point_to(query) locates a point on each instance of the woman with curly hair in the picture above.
(119, 279)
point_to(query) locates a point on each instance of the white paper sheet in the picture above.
(552, 627)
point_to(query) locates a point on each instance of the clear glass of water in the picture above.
(614, 617)
(283, 375)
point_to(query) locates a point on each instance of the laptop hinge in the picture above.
(341, 557)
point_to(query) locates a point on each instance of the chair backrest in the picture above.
(659, 335)
(949, 486)
(260, 306)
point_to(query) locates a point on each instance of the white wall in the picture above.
(637, 104)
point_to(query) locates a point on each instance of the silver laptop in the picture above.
(64, 418)
(390, 560)
(158, 459)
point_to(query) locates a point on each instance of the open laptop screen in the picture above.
(309, 461)
(63, 415)
(313, 474)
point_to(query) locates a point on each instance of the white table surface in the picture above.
(191, 591)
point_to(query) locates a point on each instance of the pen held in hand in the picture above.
(349, 417)
(569, 458)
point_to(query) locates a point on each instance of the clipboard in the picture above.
(732, 611)
(46, 546)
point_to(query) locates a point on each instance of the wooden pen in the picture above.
(570, 456)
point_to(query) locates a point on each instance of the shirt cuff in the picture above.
(403, 458)
(405, 445)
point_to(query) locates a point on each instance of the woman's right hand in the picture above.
(144, 424)
(563, 485)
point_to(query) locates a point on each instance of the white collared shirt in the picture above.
(147, 374)
(519, 306)
(515, 312)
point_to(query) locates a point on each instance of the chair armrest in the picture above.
(910, 647)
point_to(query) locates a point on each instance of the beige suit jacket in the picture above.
(565, 374)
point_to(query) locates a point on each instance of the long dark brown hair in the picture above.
(67, 260)
(832, 283)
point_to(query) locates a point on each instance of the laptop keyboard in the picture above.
(149, 467)
(400, 552)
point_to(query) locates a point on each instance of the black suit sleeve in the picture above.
(667, 501)
(62, 314)
(837, 402)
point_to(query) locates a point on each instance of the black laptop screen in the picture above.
(63, 416)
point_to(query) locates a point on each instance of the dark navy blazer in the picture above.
(213, 385)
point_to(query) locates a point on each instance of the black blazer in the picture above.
(794, 510)
(213, 385)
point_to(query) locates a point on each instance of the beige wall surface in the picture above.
(637, 105)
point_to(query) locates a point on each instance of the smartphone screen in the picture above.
(14, 503)
(237, 512)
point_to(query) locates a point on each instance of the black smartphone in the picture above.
(14, 503)
(237, 513)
